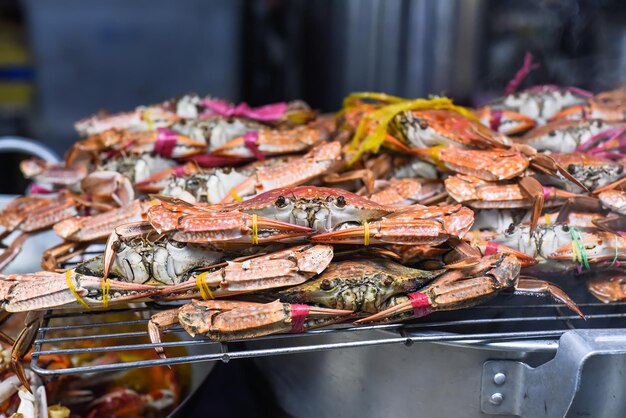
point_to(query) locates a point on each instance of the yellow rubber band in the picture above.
(373, 126)
(149, 122)
(106, 291)
(366, 233)
(435, 154)
(548, 219)
(205, 290)
(72, 287)
(236, 196)
(255, 230)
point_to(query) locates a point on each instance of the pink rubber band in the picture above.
(250, 140)
(492, 248)
(420, 303)
(612, 134)
(548, 192)
(211, 161)
(165, 142)
(179, 171)
(267, 113)
(519, 77)
(298, 317)
(36, 189)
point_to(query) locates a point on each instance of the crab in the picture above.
(542, 102)
(466, 287)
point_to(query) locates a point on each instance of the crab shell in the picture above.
(320, 208)
(360, 286)
(564, 135)
(432, 127)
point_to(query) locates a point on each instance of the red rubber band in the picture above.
(496, 119)
(420, 303)
(492, 248)
(298, 316)
(165, 142)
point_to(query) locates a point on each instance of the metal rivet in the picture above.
(496, 398)
(499, 378)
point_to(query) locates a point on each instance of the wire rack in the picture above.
(125, 330)
(507, 323)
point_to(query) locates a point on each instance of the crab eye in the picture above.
(326, 284)
(341, 201)
(193, 183)
(178, 244)
(552, 133)
(281, 202)
(423, 124)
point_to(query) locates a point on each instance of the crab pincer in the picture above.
(234, 320)
(422, 225)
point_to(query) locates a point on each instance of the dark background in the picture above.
(82, 56)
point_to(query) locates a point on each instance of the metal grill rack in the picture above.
(536, 326)
(504, 324)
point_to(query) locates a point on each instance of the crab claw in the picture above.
(427, 226)
(491, 247)
(235, 227)
(52, 290)
(505, 122)
(272, 142)
(592, 248)
(388, 231)
(608, 290)
(109, 184)
(126, 231)
(262, 319)
(288, 267)
(156, 182)
(529, 286)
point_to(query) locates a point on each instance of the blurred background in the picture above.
(63, 60)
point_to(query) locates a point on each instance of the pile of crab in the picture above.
(274, 219)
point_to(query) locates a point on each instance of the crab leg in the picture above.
(298, 171)
(260, 319)
(607, 290)
(429, 226)
(22, 344)
(284, 268)
(89, 228)
(51, 290)
(12, 250)
(272, 142)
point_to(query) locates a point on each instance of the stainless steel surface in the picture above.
(514, 388)
(445, 378)
(37, 242)
(27, 146)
